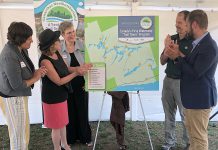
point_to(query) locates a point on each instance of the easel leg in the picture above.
(145, 121)
(213, 115)
(99, 120)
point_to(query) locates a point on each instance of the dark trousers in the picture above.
(119, 132)
(78, 127)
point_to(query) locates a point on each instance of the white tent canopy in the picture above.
(211, 4)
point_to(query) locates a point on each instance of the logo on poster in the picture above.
(56, 12)
(146, 23)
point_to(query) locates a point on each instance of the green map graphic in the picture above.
(129, 67)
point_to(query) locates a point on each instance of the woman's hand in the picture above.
(41, 72)
(83, 69)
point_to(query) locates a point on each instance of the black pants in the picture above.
(119, 132)
(78, 127)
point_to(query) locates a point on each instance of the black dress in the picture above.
(78, 128)
(55, 113)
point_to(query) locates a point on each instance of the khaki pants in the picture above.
(15, 110)
(196, 122)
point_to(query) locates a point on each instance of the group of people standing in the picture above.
(61, 68)
(191, 57)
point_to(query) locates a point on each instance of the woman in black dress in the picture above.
(55, 86)
(78, 128)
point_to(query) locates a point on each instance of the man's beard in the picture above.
(191, 34)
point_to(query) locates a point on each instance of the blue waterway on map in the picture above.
(131, 71)
(142, 87)
(120, 50)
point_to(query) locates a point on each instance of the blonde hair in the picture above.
(65, 25)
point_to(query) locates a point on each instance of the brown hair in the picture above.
(19, 32)
(200, 17)
(185, 13)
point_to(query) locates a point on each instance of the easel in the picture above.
(213, 115)
(99, 120)
(145, 121)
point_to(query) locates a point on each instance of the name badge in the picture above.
(22, 64)
(64, 56)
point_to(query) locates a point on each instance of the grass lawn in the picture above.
(135, 136)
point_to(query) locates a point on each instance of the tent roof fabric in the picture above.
(157, 3)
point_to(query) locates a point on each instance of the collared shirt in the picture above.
(74, 59)
(185, 46)
(78, 52)
(196, 41)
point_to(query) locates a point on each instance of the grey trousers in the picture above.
(171, 99)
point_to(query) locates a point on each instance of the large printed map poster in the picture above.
(129, 46)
